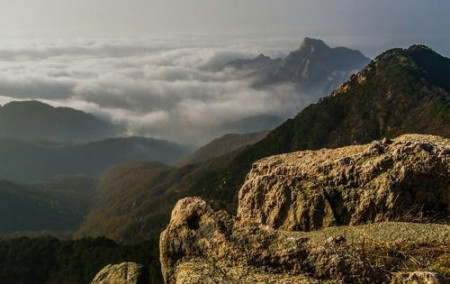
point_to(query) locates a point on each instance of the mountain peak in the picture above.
(312, 44)
(419, 47)
(35, 120)
(416, 59)
(410, 51)
(27, 104)
(262, 58)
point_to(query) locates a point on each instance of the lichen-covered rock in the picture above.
(402, 179)
(385, 180)
(203, 246)
(418, 277)
(123, 273)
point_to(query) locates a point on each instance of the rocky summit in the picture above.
(404, 178)
(314, 67)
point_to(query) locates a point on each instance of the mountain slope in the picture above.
(33, 120)
(29, 161)
(402, 91)
(315, 67)
(23, 208)
(222, 146)
(124, 189)
(399, 92)
(255, 123)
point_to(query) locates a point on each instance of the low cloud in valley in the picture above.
(170, 87)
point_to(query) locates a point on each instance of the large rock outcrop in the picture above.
(385, 180)
(403, 179)
(203, 246)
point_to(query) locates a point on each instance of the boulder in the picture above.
(123, 273)
(204, 246)
(404, 179)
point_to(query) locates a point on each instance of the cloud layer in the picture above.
(169, 87)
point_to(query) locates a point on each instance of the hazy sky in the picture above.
(354, 17)
(396, 22)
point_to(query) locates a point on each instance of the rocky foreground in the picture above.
(375, 213)
(406, 179)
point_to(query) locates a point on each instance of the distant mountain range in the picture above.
(38, 141)
(44, 151)
(401, 91)
(34, 120)
(31, 161)
(62, 197)
(315, 68)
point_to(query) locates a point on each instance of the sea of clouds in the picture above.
(168, 87)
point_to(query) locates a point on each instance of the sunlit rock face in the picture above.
(402, 179)
(381, 181)
(204, 246)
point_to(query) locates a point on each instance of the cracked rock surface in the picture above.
(214, 247)
(403, 179)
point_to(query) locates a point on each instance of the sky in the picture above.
(384, 20)
(155, 65)
(423, 20)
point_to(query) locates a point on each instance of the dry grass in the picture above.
(392, 246)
